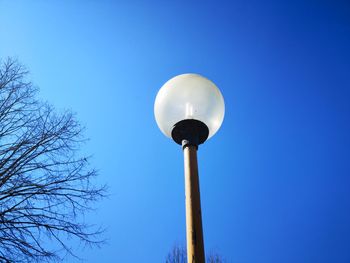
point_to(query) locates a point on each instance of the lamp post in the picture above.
(189, 109)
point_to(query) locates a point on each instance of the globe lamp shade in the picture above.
(190, 103)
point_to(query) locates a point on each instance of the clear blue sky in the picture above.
(275, 180)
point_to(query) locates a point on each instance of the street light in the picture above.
(190, 109)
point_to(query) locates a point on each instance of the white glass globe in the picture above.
(189, 96)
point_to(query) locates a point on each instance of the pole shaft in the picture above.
(194, 231)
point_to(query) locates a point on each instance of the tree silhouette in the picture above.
(178, 254)
(215, 258)
(44, 184)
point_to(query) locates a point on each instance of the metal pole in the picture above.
(194, 231)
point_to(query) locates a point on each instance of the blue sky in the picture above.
(274, 180)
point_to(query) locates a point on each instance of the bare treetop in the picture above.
(178, 254)
(44, 183)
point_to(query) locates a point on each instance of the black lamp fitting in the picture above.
(190, 132)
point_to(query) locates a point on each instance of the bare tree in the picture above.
(178, 254)
(215, 258)
(44, 184)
